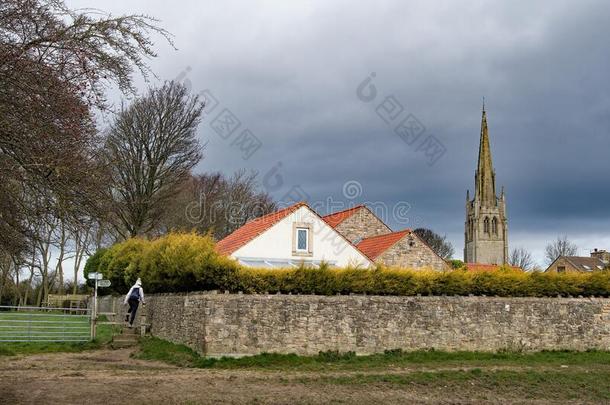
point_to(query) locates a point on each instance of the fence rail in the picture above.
(35, 324)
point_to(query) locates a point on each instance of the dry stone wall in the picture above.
(235, 324)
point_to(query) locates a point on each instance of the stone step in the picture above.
(121, 345)
(126, 337)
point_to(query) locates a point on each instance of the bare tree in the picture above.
(216, 204)
(438, 243)
(150, 150)
(560, 247)
(46, 241)
(520, 257)
(82, 238)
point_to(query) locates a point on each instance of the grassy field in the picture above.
(48, 324)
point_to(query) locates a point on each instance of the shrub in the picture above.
(185, 262)
(181, 262)
(120, 261)
(176, 262)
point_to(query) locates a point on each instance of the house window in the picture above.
(302, 240)
(561, 269)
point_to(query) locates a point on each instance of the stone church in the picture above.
(486, 226)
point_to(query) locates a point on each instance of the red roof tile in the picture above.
(487, 267)
(252, 229)
(374, 246)
(336, 218)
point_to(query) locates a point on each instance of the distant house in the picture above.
(297, 235)
(577, 263)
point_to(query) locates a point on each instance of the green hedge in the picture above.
(189, 262)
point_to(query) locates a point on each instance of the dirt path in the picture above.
(112, 376)
(107, 377)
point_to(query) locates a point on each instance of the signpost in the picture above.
(103, 283)
(99, 282)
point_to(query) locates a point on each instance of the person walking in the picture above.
(133, 298)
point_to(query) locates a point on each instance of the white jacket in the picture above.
(138, 286)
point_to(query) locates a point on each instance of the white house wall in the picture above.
(327, 245)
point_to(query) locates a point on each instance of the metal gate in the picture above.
(35, 324)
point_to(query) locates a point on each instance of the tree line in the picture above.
(67, 186)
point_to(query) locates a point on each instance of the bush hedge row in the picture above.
(189, 262)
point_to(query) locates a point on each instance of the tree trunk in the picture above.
(81, 239)
(29, 286)
(5, 269)
(59, 269)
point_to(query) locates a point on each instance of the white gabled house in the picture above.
(290, 237)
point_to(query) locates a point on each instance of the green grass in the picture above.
(104, 335)
(548, 384)
(157, 349)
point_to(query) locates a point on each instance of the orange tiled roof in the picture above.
(336, 218)
(375, 245)
(252, 229)
(486, 267)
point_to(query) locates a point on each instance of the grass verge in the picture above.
(157, 349)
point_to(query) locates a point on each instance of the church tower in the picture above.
(486, 226)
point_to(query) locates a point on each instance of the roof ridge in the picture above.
(344, 211)
(406, 230)
(338, 217)
(295, 205)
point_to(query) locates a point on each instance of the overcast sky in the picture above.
(289, 71)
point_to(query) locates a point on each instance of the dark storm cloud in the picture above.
(289, 72)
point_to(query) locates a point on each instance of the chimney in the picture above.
(602, 255)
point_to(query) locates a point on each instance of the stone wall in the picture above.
(411, 252)
(362, 224)
(236, 324)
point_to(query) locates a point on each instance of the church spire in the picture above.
(485, 187)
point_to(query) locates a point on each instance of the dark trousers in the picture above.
(133, 308)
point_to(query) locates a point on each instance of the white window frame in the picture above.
(308, 227)
(297, 249)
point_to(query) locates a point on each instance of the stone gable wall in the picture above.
(362, 224)
(236, 324)
(411, 253)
